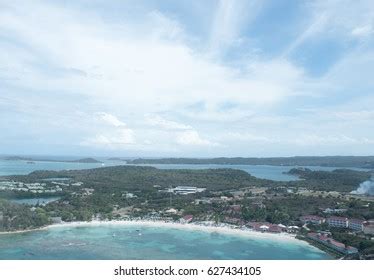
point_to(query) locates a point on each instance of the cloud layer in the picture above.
(160, 79)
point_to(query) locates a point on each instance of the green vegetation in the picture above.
(20, 217)
(342, 180)
(229, 195)
(29, 159)
(334, 161)
(140, 178)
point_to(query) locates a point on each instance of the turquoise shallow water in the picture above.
(124, 242)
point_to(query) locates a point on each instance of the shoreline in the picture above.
(221, 229)
(224, 229)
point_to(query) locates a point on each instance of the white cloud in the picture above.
(160, 122)
(230, 17)
(115, 133)
(355, 115)
(119, 138)
(192, 138)
(318, 140)
(110, 119)
(362, 31)
(59, 57)
(249, 137)
(335, 18)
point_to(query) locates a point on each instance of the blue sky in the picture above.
(187, 78)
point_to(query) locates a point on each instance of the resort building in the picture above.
(369, 227)
(344, 222)
(186, 190)
(275, 229)
(171, 211)
(334, 221)
(312, 219)
(331, 243)
(356, 224)
(334, 211)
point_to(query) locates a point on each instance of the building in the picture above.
(332, 243)
(292, 229)
(312, 219)
(187, 190)
(356, 224)
(129, 195)
(334, 221)
(275, 229)
(369, 227)
(259, 226)
(171, 211)
(333, 211)
(186, 219)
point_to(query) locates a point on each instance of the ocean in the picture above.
(128, 242)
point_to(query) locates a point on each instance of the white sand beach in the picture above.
(223, 229)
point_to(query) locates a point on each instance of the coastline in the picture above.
(222, 229)
(226, 229)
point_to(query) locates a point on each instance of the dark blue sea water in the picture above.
(124, 242)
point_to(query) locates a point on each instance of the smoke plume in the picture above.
(366, 187)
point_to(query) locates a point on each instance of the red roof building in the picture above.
(356, 224)
(186, 219)
(335, 221)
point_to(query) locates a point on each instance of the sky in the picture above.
(187, 78)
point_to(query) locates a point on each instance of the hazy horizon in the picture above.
(51, 156)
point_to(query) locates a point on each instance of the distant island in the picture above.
(116, 159)
(29, 159)
(328, 161)
(87, 160)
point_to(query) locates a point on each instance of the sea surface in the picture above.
(20, 167)
(142, 243)
(17, 167)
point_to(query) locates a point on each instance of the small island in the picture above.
(33, 160)
(327, 161)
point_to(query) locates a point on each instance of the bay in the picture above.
(148, 243)
(270, 172)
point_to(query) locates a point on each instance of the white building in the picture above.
(187, 190)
